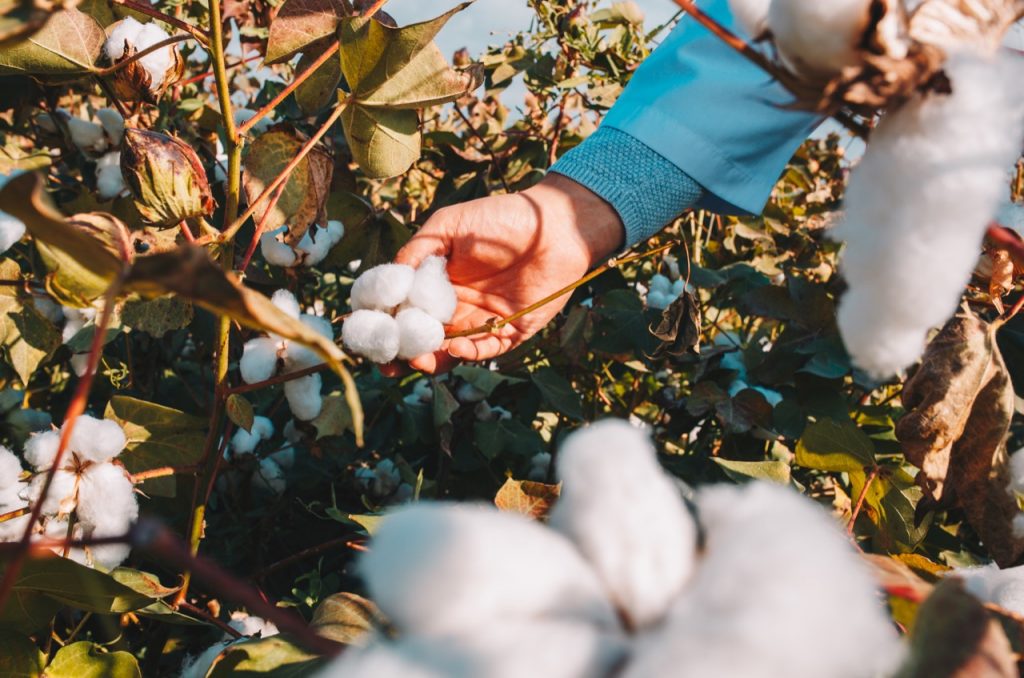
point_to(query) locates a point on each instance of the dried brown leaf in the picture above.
(527, 497)
(679, 329)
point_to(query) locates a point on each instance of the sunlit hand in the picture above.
(507, 252)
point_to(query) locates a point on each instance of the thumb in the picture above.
(434, 239)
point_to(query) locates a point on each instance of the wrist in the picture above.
(578, 216)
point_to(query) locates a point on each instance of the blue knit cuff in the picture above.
(645, 189)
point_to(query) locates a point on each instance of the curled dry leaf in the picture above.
(959, 406)
(679, 328)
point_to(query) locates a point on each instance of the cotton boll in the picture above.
(11, 231)
(990, 584)
(499, 649)
(467, 394)
(41, 449)
(432, 291)
(763, 602)
(436, 568)
(270, 477)
(304, 397)
(263, 427)
(300, 357)
(286, 303)
(113, 124)
(383, 287)
(199, 666)
(96, 439)
(124, 32)
(156, 63)
(109, 556)
(61, 496)
(315, 247)
(751, 16)
(259, 360)
(819, 38)
(10, 500)
(626, 517)
(285, 457)
(540, 463)
(87, 135)
(917, 208)
(371, 334)
(249, 625)
(276, 252)
(80, 364)
(419, 333)
(245, 442)
(106, 496)
(335, 231)
(10, 469)
(109, 180)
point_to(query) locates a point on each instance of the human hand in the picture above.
(506, 252)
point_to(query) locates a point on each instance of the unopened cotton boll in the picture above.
(109, 180)
(499, 649)
(626, 517)
(437, 568)
(751, 16)
(95, 439)
(763, 601)
(106, 496)
(382, 288)
(11, 231)
(419, 333)
(259, 360)
(41, 449)
(432, 291)
(276, 252)
(304, 398)
(372, 334)
(917, 208)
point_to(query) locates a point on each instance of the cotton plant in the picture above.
(400, 312)
(616, 584)
(264, 357)
(663, 291)
(383, 482)
(87, 486)
(311, 249)
(91, 137)
(249, 626)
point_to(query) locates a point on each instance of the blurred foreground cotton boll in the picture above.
(287, 303)
(918, 205)
(751, 16)
(382, 288)
(990, 584)
(643, 555)
(762, 604)
(432, 291)
(437, 568)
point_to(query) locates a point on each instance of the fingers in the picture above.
(434, 239)
(435, 363)
(483, 348)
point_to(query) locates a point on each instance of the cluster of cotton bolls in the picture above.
(260, 358)
(310, 251)
(617, 583)
(95, 139)
(918, 206)
(130, 36)
(383, 481)
(399, 311)
(249, 626)
(271, 470)
(98, 492)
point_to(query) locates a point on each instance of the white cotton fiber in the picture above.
(382, 288)
(335, 231)
(751, 16)
(276, 252)
(123, 32)
(418, 333)
(10, 500)
(303, 395)
(917, 208)
(249, 625)
(106, 496)
(109, 180)
(109, 556)
(269, 476)
(11, 231)
(779, 592)
(245, 442)
(300, 357)
(989, 584)
(432, 291)
(1017, 472)
(626, 517)
(259, 360)
(96, 439)
(10, 469)
(286, 303)
(87, 135)
(60, 498)
(437, 568)
(113, 124)
(156, 63)
(372, 334)
(41, 449)
(498, 649)
(314, 246)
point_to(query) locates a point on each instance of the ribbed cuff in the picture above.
(645, 189)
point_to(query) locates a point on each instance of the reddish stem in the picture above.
(186, 232)
(861, 497)
(164, 472)
(260, 227)
(279, 379)
(373, 9)
(210, 74)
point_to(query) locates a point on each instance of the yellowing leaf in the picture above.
(529, 498)
(69, 43)
(300, 23)
(346, 618)
(88, 660)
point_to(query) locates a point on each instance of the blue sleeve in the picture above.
(704, 115)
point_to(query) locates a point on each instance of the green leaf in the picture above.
(240, 411)
(19, 656)
(304, 196)
(385, 143)
(839, 447)
(28, 611)
(334, 419)
(69, 43)
(371, 238)
(558, 392)
(319, 89)
(158, 316)
(300, 23)
(29, 337)
(445, 405)
(346, 618)
(368, 522)
(158, 436)
(79, 586)
(739, 471)
(483, 379)
(88, 660)
(275, 656)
